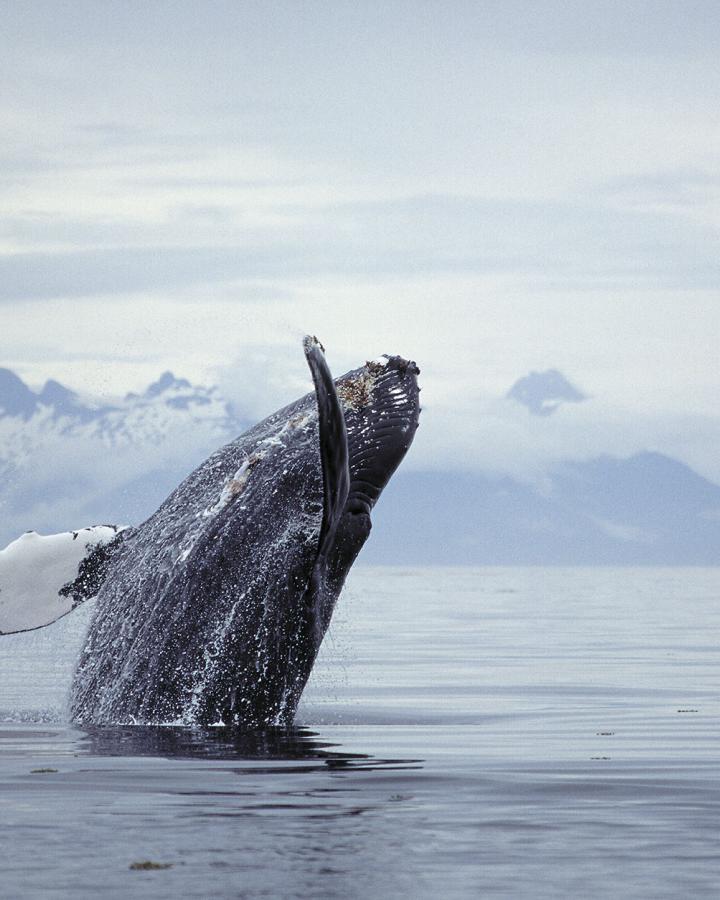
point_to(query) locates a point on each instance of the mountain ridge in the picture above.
(66, 462)
(604, 511)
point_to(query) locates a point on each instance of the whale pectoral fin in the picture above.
(333, 445)
(44, 577)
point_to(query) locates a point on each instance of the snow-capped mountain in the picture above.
(136, 418)
(63, 455)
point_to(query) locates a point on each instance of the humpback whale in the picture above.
(213, 609)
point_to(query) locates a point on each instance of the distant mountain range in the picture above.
(156, 406)
(67, 461)
(645, 510)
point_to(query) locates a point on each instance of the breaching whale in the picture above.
(213, 609)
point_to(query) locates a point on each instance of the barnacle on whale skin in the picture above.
(356, 393)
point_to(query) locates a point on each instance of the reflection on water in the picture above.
(207, 743)
(468, 733)
(233, 744)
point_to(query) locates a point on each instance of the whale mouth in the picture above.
(381, 403)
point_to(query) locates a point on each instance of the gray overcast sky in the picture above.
(488, 187)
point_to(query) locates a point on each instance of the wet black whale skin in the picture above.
(213, 610)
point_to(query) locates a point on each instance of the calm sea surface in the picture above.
(539, 733)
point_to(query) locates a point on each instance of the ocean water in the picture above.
(539, 733)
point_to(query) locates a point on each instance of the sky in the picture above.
(489, 188)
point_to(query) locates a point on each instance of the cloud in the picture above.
(627, 533)
(264, 379)
(33, 276)
(486, 433)
(406, 237)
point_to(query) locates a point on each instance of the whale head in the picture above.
(381, 408)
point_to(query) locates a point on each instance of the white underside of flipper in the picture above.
(35, 567)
